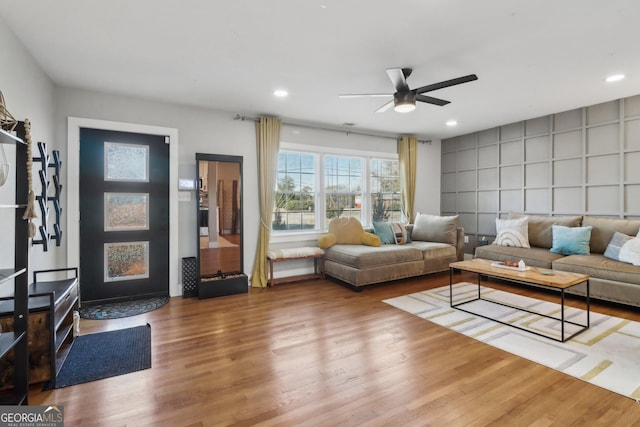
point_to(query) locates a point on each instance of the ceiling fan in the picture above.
(404, 99)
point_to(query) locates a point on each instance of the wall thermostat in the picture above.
(186, 184)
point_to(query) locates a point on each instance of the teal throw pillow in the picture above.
(385, 232)
(571, 240)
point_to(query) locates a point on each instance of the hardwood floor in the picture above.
(318, 354)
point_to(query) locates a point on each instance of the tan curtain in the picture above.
(268, 144)
(407, 154)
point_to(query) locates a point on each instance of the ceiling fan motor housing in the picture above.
(404, 101)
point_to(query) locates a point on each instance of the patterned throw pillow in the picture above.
(624, 248)
(400, 233)
(512, 232)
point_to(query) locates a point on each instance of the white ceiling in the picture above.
(532, 58)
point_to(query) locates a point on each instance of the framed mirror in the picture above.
(220, 262)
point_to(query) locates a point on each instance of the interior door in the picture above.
(124, 215)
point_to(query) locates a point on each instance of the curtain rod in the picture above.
(320, 127)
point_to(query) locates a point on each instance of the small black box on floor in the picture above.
(218, 286)
(189, 277)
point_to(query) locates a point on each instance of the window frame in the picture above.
(320, 195)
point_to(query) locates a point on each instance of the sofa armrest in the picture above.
(460, 244)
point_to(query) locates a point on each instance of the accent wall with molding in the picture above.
(584, 161)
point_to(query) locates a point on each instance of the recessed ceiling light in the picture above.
(280, 93)
(451, 123)
(614, 78)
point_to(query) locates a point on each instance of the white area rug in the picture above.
(607, 354)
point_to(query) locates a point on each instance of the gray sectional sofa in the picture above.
(610, 280)
(428, 252)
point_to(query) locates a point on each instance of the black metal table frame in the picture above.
(561, 319)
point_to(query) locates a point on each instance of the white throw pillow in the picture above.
(630, 251)
(512, 232)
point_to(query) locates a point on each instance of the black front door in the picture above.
(124, 215)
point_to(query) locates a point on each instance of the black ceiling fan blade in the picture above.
(446, 83)
(385, 107)
(398, 77)
(365, 95)
(431, 100)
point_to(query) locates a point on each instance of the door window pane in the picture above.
(126, 162)
(126, 261)
(126, 211)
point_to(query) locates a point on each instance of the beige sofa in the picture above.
(361, 265)
(610, 280)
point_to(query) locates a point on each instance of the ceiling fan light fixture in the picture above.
(404, 107)
(404, 102)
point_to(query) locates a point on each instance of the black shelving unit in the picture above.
(14, 343)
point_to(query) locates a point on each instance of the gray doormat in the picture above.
(117, 310)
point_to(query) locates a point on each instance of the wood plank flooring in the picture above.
(318, 354)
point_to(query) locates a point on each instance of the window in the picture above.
(342, 187)
(314, 187)
(294, 207)
(385, 191)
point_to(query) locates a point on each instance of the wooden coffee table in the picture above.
(551, 279)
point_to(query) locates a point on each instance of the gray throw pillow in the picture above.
(624, 248)
(434, 228)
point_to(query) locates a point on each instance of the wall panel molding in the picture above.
(578, 162)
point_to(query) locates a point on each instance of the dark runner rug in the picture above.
(116, 310)
(105, 354)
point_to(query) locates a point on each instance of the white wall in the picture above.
(428, 178)
(28, 93)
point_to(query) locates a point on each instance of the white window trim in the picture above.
(278, 237)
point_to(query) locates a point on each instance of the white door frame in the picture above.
(73, 187)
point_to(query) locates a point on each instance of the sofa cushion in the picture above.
(434, 228)
(600, 267)
(535, 257)
(540, 234)
(571, 240)
(512, 232)
(604, 228)
(360, 256)
(433, 250)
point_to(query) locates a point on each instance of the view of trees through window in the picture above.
(295, 201)
(385, 191)
(311, 189)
